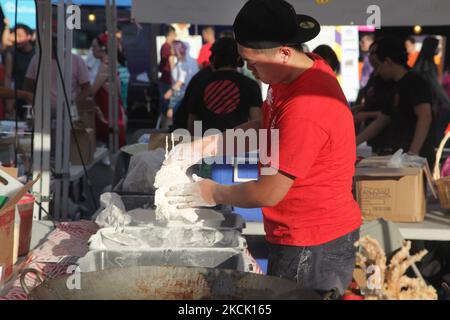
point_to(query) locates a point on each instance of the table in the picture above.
(435, 227)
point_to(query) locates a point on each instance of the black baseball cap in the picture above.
(266, 24)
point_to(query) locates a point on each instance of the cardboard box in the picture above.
(86, 140)
(393, 194)
(7, 214)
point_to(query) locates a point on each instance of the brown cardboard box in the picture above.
(7, 232)
(394, 194)
(87, 142)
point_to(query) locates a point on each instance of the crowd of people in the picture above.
(90, 77)
(402, 102)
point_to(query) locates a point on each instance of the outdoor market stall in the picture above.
(71, 241)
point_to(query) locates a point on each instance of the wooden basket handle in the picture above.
(437, 170)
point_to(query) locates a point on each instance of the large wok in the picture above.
(169, 283)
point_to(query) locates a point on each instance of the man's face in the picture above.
(96, 49)
(365, 43)
(22, 37)
(265, 67)
(208, 35)
(410, 47)
(171, 36)
(381, 68)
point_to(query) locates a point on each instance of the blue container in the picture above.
(238, 173)
(263, 264)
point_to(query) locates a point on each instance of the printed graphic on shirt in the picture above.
(222, 97)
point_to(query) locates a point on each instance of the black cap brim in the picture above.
(309, 28)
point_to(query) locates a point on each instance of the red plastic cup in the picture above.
(25, 207)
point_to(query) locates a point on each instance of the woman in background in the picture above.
(426, 67)
(100, 90)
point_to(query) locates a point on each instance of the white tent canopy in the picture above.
(329, 12)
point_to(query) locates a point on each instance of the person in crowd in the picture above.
(410, 44)
(377, 95)
(209, 37)
(7, 37)
(80, 90)
(328, 54)
(122, 68)
(180, 119)
(183, 69)
(311, 218)
(364, 65)
(100, 90)
(410, 113)
(227, 98)
(165, 69)
(426, 67)
(16, 65)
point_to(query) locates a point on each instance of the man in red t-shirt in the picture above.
(209, 37)
(311, 219)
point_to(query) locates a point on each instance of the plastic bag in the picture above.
(114, 214)
(142, 171)
(404, 160)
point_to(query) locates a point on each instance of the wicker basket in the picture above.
(442, 183)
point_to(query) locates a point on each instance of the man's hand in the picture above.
(188, 154)
(200, 193)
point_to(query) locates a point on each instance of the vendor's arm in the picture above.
(366, 115)
(424, 118)
(373, 129)
(267, 191)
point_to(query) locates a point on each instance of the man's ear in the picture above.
(286, 53)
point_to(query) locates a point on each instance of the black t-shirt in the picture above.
(223, 101)
(410, 91)
(181, 115)
(20, 67)
(378, 95)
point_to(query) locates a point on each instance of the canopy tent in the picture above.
(98, 3)
(327, 12)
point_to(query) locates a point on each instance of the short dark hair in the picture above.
(297, 47)
(328, 54)
(227, 34)
(205, 28)
(391, 47)
(224, 53)
(410, 39)
(169, 29)
(25, 28)
(370, 35)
